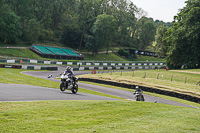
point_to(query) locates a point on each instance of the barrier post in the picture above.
(94, 72)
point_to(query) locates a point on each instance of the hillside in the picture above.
(26, 53)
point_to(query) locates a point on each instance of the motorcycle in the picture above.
(139, 96)
(67, 82)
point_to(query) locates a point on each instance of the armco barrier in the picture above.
(112, 64)
(29, 67)
(118, 68)
(39, 68)
(153, 90)
(10, 66)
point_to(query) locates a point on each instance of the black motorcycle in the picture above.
(68, 82)
(139, 96)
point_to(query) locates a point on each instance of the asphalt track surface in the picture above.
(12, 92)
(16, 92)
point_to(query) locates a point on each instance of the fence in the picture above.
(157, 74)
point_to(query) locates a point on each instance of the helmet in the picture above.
(136, 87)
(68, 68)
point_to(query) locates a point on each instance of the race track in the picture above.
(111, 91)
(16, 92)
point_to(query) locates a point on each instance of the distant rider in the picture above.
(137, 89)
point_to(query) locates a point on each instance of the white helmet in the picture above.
(136, 87)
(68, 68)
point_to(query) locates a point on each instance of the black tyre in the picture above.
(142, 98)
(137, 98)
(75, 89)
(62, 86)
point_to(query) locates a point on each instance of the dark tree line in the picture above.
(88, 24)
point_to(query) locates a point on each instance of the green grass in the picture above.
(96, 116)
(113, 57)
(14, 76)
(103, 57)
(15, 45)
(148, 93)
(90, 116)
(24, 53)
(147, 58)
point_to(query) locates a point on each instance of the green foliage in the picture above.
(71, 36)
(32, 30)
(146, 32)
(161, 44)
(10, 25)
(184, 36)
(122, 52)
(102, 31)
(78, 23)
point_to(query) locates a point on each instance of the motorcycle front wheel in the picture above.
(75, 89)
(62, 86)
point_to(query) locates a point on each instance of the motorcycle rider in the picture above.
(140, 93)
(137, 89)
(68, 70)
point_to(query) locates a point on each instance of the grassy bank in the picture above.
(148, 93)
(114, 57)
(19, 53)
(97, 116)
(27, 53)
(166, 80)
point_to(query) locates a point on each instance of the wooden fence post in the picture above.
(145, 75)
(158, 76)
(171, 77)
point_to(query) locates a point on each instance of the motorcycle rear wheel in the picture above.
(142, 98)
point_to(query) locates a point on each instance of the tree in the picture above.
(104, 30)
(88, 10)
(160, 42)
(184, 37)
(32, 30)
(145, 32)
(71, 36)
(10, 25)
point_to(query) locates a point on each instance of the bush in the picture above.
(122, 52)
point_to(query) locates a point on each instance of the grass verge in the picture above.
(148, 93)
(97, 116)
(151, 80)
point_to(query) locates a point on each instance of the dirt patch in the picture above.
(185, 71)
